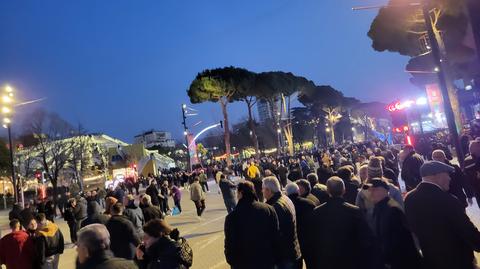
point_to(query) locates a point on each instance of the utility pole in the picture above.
(440, 62)
(185, 133)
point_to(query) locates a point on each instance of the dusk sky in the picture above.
(121, 67)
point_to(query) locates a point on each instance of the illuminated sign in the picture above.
(398, 105)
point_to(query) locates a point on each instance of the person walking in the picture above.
(17, 249)
(227, 188)
(397, 247)
(149, 210)
(134, 214)
(203, 179)
(69, 217)
(197, 195)
(152, 191)
(338, 234)
(251, 221)
(411, 168)
(94, 215)
(93, 250)
(123, 235)
(303, 210)
(49, 243)
(289, 252)
(446, 234)
(459, 186)
(177, 197)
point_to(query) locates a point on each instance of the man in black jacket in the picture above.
(303, 211)
(305, 191)
(289, 247)
(93, 249)
(94, 215)
(134, 214)
(472, 168)
(338, 234)
(49, 242)
(228, 192)
(251, 232)
(459, 186)
(149, 211)
(123, 235)
(397, 248)
(318, 190)
(446, 235)
(411, 168)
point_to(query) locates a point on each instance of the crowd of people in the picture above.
(342, 207)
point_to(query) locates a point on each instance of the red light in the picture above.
(409, 140)
(405, 128)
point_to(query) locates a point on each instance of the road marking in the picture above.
(203, 224)
(210, 241)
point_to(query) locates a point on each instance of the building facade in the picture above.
(154, 138)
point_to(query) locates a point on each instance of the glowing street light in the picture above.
(6, 120)
(6, 110)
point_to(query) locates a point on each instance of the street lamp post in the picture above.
(7, 100)
(185, 133)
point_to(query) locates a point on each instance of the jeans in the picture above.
(51, 262)
(204, 185)
(229, 204)
(178, 205)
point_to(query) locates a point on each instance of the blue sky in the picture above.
(120, 67)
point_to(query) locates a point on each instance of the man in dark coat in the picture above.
(318, 190)
(251, 232)
(305, 191)
(338, 234)
(446, 235)
(149, 211)
(94, 215)
(282, 174)
(351, 189)
(93, 249)
(228, 192)
(472, 169)
(459, 186)
(303, 210)
(289, 247)
(49, 242)
(134, 214)
(397, 248)
(153, 192)
(411, 168)
(123, 235)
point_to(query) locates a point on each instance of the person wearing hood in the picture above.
(94, 215)
(17, 249)
(134, 214)
(49, 242)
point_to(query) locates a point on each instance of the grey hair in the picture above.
(291, 188)
(95, 237)
(271, 183)
(335, 186)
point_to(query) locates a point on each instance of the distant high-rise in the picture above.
(265, 111)
(155, 138)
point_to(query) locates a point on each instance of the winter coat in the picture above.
(472, 172)
(446, 234)
(289, 246)
(94, 215)
(228, 189)
(411, 170)
(151, 212)
(17, 250)
(351, 191)
(153, 192)
(105, 260)
(80, 210)
(49, 241)
(459, 186)
(338, 237)
(163, 254)
(394, 237)
(196, 192)
(123, 237)
(135, 215)
(303, 211)
(252, 236)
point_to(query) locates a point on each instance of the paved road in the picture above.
(205, 235)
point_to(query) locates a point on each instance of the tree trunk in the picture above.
(251, 125)
(223, 104)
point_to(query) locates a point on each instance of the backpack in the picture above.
(185, 252)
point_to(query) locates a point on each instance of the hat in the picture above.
(434, 168)
(376, 183)
(375, 169)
